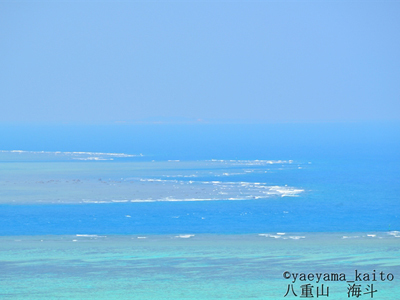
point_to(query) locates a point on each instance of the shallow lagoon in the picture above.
(192, 266)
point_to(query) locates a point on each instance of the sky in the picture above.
(97, 62)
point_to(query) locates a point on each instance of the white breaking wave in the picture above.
(92, 158)
(184, 236)
(162, 190)
(77, 154)
(282, 236)
(251, 162)
(90, 235)
(394, 233)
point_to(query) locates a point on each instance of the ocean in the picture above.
(199, 211)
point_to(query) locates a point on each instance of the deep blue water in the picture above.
(352, 183)
(220, 217)
(363, 141)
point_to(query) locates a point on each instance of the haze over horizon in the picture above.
(129, 62)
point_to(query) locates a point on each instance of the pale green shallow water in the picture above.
(198, 267)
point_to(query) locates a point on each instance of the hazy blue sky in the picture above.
(263, 61)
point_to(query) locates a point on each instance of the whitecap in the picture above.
(270, 235)
(87, 235)
(184, 236)
(394, 233)
(72, 153)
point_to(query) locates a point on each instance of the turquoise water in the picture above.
(196, 267)
(212, 212)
